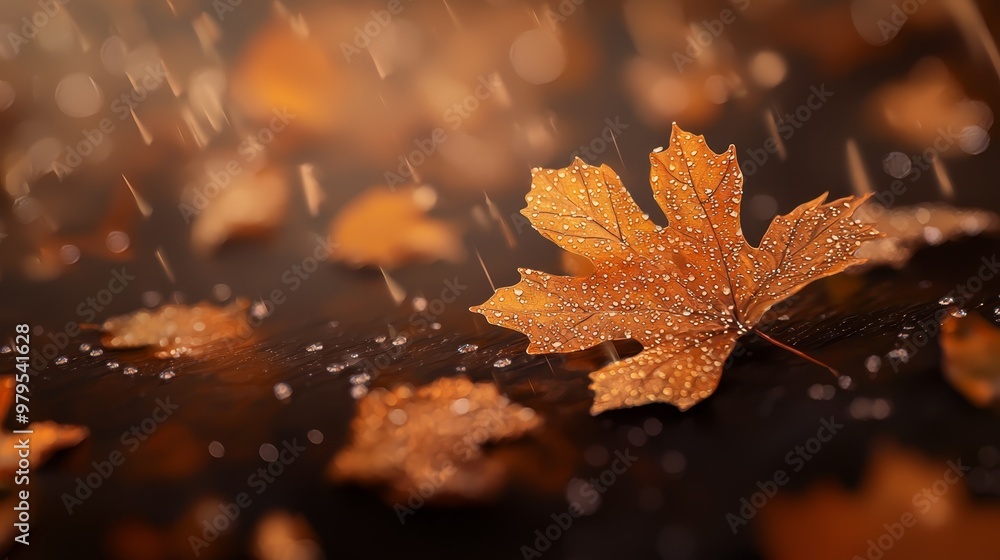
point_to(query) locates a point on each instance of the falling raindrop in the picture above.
(282, 391)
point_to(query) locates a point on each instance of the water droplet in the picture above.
(466, 348)
(873, 363)
(845, 382)
(460, 406)
(6, 349)
(502, 362)
(337, 367)
(85, 347)
(96, 352)
(282, 391)
(314, 347)
(380, 339)
(216, 449)
(460, 369)
(130, 370)
(61, 360)
(360, 379)
(112, 365)
(946, 300)
(167, 374)
(397, 416)
(959, 313)
(399, 340)
(315, 436)
(359, 391)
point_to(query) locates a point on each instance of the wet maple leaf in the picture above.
(403, 438)
(686, 291)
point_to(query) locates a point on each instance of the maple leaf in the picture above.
(686, 291)
(403, 438)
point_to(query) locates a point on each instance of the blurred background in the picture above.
(337, 182)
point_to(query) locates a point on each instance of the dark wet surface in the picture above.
(689, 474)
(692, 468)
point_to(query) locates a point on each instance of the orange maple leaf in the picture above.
(686, 291)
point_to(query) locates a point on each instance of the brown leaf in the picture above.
(909, 228)
(47, 437)
(410, 439)
(252, 205)
(971, 361)
(686, 291)
(178, 330)
(390, 228)
(829, 522)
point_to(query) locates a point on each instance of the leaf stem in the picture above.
(798, 353)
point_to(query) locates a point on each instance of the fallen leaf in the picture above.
(281, 535)
(389, 228)
(686, 291)
(909, 228)
(249, 205)
(929, 108)
(429, 440)
(46, 437)
(971, 361)
(178, 330)
(828, 522)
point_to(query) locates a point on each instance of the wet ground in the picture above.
(691, 470)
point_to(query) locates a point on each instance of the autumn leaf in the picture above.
(405, 438)
(179, 330)
(390, 227)
(686, 291)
